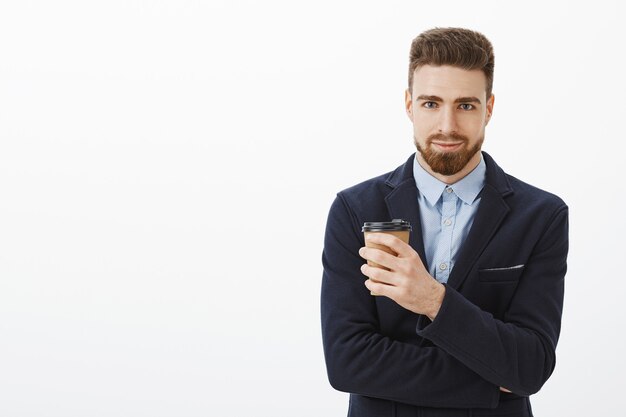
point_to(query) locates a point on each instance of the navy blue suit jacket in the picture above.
(499, 322)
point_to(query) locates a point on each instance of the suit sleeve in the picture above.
(517, 352)
(361, 360)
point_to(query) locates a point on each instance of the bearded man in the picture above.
(464, 319)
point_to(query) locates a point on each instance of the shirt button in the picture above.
(443, 266)
(448, 190)
(447, 222)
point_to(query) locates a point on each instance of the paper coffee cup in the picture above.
(397, 227)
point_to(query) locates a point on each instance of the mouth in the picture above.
(447, 146)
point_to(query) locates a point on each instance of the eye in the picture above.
(467, 106)
(430, 104)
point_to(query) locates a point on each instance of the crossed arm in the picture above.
(517, 354)
(405, 279)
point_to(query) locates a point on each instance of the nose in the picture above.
(447, 121)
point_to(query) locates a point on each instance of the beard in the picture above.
(448, 163)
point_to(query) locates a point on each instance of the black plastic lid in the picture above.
(395, 225)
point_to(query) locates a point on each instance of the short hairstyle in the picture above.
(457, 47)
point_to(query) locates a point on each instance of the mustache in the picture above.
(452, 137)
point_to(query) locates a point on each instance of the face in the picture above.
(449, 110)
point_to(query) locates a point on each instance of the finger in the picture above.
(379, 256)
(397, 245)
(379, 274)
(378, 288)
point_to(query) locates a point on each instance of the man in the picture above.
(466, 316)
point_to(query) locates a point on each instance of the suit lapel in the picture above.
(491, 212)
(402, 204)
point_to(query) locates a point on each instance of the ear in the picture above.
(490, 103)
(408, 103)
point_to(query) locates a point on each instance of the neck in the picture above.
(451, 179)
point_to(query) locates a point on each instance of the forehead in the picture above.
(449, 82)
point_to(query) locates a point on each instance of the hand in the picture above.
(407, 282)
(505, 390)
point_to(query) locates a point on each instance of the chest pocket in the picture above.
(496, 287)
(508, 274)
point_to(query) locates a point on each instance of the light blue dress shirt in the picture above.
(447, 213)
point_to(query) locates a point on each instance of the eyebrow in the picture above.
(458, 100)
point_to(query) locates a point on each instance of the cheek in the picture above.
(473, 125)
(421, 133)
(423, 125)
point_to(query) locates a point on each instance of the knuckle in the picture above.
(403, 267)
(374, 272)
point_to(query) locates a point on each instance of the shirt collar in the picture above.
(467, 188)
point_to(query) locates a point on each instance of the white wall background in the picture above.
(166, 168)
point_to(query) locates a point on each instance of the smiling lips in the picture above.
(447, 146)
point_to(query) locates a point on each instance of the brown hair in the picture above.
(457, 47)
